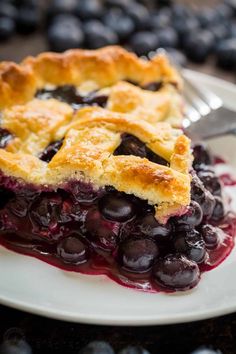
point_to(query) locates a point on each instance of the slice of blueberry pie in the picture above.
(96, 178)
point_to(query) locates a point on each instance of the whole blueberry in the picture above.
(205, 350)
(176, 272)
(207, 17)
(144, 42)
(73, 250)
(120, 23)
(133, 350)
(66, 34)
(103, 233)
(167, 37)
(137, 255)
(7, 27)
(201, 155)
(14, 343)
(97, 35)
(193, 215)
(224, 12)
(97, 347)
(28, 19)
(149, 226)
(211, 236)
(220, 32)
(199, 45)
(57, 7)
(139, 14)
(185, 27)
(160, 19)
(8, 10)
(219, 209)
(117, 207)
(181, 11)
(90, 9)
(226, 53)
(191, 244)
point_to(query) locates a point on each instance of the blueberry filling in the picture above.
(76, 224)
(131, 145)
(5, 137)
(151, 86)
(69, 94)
(50, 151)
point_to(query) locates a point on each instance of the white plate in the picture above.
(29, 284)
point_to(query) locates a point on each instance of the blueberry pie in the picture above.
(96, 176)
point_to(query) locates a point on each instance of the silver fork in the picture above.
(205, 114)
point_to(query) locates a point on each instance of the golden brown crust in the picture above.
(91, 135)
(96, 69)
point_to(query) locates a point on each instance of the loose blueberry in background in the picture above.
(192, 217)
(185, 27)
(211, 236)
(73, 250)
(144, 42)
(97, 35)
(201, 155)
(120, 23)
(219, 209)
(65, 33)
(207, 17)
(176, 272)
(205, 350)
(220, 32)
(89, 9)
(57, 7)
(117, 207)
(167, 37)
(137, 255)
(191, 244)
(97, 347)
(160, 19)
(14, 343)
(7, 28)
(28, 19)
(8, 10)
(198, 45)
(133, 350)
(226, 53)
(140, 14)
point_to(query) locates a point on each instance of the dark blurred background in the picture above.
(197, 34)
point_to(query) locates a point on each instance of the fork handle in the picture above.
(218, 123)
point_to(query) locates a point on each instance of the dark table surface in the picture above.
(50, 336)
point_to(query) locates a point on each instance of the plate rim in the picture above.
(122, 320)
